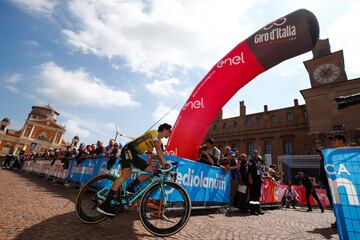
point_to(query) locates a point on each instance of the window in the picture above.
(235, 124)
(224, 126)
(250, 149)
(305, 114)
(214, 127)
(288, 147)
(42, 136)
(290, 116)
(58, 138)
(247, 122)
(274, 119)
(259, 121)
(268, 147)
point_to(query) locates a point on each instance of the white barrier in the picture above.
(44, 167)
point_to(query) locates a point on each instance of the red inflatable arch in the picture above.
(284, 38)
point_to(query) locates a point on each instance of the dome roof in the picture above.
(45, 107)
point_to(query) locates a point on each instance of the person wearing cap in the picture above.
(255, 180)
(81, 155)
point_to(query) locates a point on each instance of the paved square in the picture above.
(35, 208)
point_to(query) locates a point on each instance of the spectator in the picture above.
(242, 190)
(310, 190)
(227, 150)
(68, 155)
(290, 197)
(74, 152)
(82, 154)
(339, 141)
(100, 149)
(9, 158)
(93, 150)
(209, 153)
(7, 161)
(109, 148)
(231, 164)
(256, 170)
(113, 155)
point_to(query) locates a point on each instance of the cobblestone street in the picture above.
(35, 208)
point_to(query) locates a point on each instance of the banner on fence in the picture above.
(47, 167)
(203, 183)
(343, 171)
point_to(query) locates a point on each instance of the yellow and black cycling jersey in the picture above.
(145, 142)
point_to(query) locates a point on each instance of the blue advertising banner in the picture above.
(203, 183)
(343, 171)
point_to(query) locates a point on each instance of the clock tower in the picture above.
(325, 67)
(328, 83)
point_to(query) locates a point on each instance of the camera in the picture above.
(202, 148)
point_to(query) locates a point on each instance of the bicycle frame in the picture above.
(148, 183)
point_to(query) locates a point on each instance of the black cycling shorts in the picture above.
(129, 156)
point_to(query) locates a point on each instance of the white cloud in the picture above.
(8, 81)
(164, 87)
(89, 130)
(13, 78)
(344, 34)
(74, 128)
(11, 88)
(158, 34)
(80, 88)
(40, 7)
(32, 43)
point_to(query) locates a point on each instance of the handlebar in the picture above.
(172, 166)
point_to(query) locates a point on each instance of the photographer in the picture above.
(209, 154)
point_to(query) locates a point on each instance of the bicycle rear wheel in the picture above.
(91, 196)
(164, 213)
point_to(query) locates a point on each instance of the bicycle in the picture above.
(159, 198)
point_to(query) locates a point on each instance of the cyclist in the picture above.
(129, 155)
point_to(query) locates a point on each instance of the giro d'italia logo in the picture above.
(276, 23)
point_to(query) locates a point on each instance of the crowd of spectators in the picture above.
(65, 155)
(247, 173)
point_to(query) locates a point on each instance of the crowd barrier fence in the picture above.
(206, 185)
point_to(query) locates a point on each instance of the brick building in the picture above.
(299, 129)
(40, 132)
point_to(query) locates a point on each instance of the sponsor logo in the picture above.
(199, 179)
(236, 60)
(276, 30)
(171, 152)
(276, 23)
(196, 104)
(338, 182)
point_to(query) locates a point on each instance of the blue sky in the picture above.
(101, 63)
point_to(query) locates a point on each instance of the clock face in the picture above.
(326, 73)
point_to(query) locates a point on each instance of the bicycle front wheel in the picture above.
(165, 211)
(91, 196)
